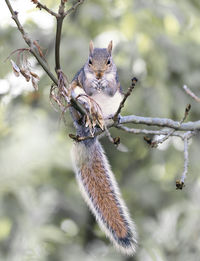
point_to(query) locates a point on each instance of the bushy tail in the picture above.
(100, 191)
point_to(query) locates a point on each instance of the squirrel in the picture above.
(98, 79)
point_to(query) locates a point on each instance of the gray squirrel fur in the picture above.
(98, 79)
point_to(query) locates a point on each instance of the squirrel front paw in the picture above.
(99, 84)
(104, 83)
(95, 84)
(94, 115)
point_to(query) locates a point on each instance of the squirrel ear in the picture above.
(91, 47)
(109, 48)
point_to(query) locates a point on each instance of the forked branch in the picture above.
(60, 92)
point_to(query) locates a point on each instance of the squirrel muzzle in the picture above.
(99, 74)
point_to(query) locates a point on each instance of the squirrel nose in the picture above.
(99, 74)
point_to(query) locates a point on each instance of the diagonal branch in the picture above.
(41, 6)
(189, 92)
(62, 92)
(127, 94)
(34, 49)
(30, 43)
(73, 8)
(170, 133)
(161, 122)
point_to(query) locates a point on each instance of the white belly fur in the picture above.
(77, 91)
(108, 104)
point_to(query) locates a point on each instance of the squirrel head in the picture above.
(100, 60)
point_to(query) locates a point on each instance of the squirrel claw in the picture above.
(94, 115)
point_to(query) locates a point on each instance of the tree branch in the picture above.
(189, 92)
(57, 44)
(61, 92)
(41, 6)
(126, 95)
(181, 182)
(30, 43)
(73, 8)
(186, 160)
(170, 133)
(149, 132)
(60, 17)
(34, 49)
(161, 122)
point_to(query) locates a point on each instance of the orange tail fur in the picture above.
(100, 191)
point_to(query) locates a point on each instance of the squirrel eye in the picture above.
(108, 62)
(90, 61)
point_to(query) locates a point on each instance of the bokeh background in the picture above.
(42, 214)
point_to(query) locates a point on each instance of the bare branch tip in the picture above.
(179, 184)
(148, 140)
(134, 80)
(190, 93)
(41, 6)
(126, 95)
(116, 140)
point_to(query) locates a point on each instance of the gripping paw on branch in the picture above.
(84, 104)
(93, 113)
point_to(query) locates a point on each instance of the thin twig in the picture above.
(61, 15)
(57, 44)
(115, 140)
(181, 182)
(63, 93)
(59, 20)
(61, 9)
(189, 92)
(140, 131)
(19, 50)
(41, 6)
(162, 122)
(186, 160)
(73, 8)
(149, 132)
(78, 138)
(34, 49)
(126, 95)
(170, 133)
(29, 42)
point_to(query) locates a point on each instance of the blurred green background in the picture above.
(42, 214)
